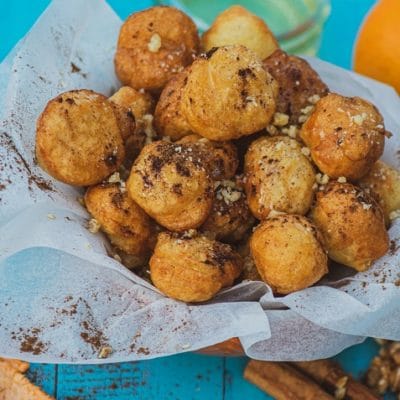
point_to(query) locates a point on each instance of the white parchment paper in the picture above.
(62, 299)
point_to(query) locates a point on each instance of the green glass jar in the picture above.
(297, 24)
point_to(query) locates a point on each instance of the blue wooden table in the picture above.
(189, 376)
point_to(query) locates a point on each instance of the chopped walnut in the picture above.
(307, 110)
(280, 119)
(384, 371)
(228, 191)
(291, 131)
(306, 151)
(154, 43)
(273, 130)
(81, 201)
(151, 134)
(105, 352)
(114, 178)
(322, 179)
(274, 213)
(122, 186)
(303, 118)
(340, 392)
(189, 234)
(394, 215)
(93, 225)
(366, 206)
(117, 257)
(359, 118)
(314, 99)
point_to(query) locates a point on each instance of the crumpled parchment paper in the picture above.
(62, 299)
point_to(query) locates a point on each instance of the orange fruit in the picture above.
(377, 48)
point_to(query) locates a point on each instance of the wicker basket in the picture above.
(231, 348)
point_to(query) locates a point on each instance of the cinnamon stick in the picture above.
(283, 382)
(331, 376)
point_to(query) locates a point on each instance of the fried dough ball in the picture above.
(131, 261)
(221, 158)
(170, 183)
(299, 84)
(154, 45)
(124, 222)
(352, 225)
(279, 177)
(228, 94)
(78, 138)
(346, 136)
(383, 182)
(288, 253)
(192, 269)
(168, 118)
(126, 121)
(236, 25)
(250, 272)
(138, 102)
(132, 106)
(230, 218)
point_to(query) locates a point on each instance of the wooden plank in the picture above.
(44, 376)
(189, 377)
(113, 381)
(236, 388)
(185, 376)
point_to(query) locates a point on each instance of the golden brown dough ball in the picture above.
(250, 272)
(352, 225)
(125, 223)
(278, 176)
(168, 118)
(126, 121)
(228, 94)
(78, 138)
(230, 218)
(131, 106)
(299, 84)
(288, 253)
(138, 102)
(192, 268)
(383, 182)
(170, 183)
(221, 158)
(154, 45)
(236, 25)
(346, 136)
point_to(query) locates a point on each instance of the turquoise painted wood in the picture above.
(44, 376)
(188, 376)
(191, 377)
